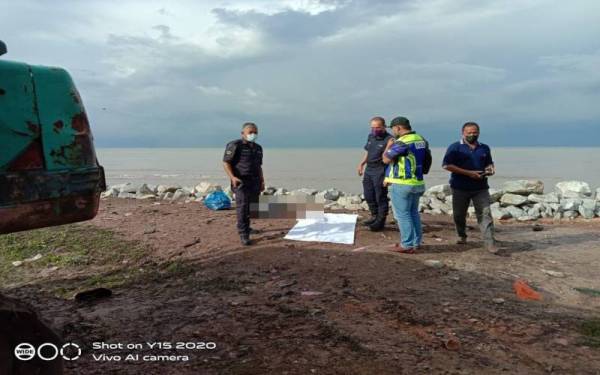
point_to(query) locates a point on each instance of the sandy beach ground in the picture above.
(179, 274)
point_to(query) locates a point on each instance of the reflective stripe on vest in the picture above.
(405, 171)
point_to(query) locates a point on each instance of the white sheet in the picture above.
(334, 228)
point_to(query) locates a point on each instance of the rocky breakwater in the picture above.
(525, 200)
(522, 200)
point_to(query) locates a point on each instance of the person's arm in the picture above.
(387, 160)
(490, 168)
(229, 170)
(361, 165)
(476, 175)
(229, 156)
(262, 180)
(393, 150)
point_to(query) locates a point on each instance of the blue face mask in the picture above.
(251, 137)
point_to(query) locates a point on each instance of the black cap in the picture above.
(399, 121)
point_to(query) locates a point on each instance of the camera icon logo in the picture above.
(25, 351)
(48, 351)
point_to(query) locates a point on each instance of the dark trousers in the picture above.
(246, 194)
(481, 202)
(376, 194)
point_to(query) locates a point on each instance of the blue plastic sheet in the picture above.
(217, 200)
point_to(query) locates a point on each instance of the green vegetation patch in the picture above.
(64, 250)
(589, 291)
(590, 330)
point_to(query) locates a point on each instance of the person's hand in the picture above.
(235, 182)
(490, 170)
(262, 186)
(361, 169)
(476, 175)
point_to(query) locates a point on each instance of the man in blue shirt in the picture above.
(470, 163)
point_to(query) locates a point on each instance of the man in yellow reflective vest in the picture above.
(408, 158)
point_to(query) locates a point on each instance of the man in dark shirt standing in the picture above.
(376, 194)
(470, 163)
(243, 164)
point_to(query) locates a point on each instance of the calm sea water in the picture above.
(324, 168)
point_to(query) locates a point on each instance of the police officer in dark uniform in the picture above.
(243, 163)
(376, 194)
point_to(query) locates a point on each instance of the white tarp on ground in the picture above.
(335, 228)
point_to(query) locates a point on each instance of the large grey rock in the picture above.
(547, 212)
(587, 209)
(598, 194)
(573, 189)
(570, 204)
(128, 188)
(499, 213)
(153, 188)
(535, 212)
(439, 191)
(510, 199)
(167, 195)
(110, 192)
(180, 195)
(495, 195)
(205, 188)
(437, 204)
(543, 198)
(555, 207)
(167, 188)
(523, 187)
(332, 194)
(144, 189)
(515, 212)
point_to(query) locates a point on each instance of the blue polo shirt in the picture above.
(463, 156)
(375, 146)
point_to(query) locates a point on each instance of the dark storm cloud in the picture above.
(188, 74)
(297, 26)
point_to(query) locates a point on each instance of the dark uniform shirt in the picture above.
(245, 158)
(375, 146)
(463, 156)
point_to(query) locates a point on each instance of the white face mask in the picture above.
(251, 137)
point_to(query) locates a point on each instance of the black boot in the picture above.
(371, 220)
(245, 239)
(377, 225)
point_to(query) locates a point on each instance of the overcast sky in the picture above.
(312, 73)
